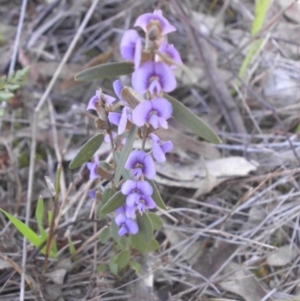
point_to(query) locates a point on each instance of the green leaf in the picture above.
(39, 213)
(71, 246)
(125, 172)
(122, 259)
(116, 201)
(107, 194)
(54, 245)
(125, 153)
(87, 151)
(4, 95)
(145, 226)
(155, 220)
(105, 235)
(138, 242)
(102, 267)
(183, 115)
(135, 266)
(108, 70)
(25, 230)
(153, 245)
(12, 87)
(156, 196)
(113, 266)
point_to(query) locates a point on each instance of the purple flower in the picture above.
(155, 77)
(92, 194)
(114, 135)
(146, 20)
(171, 52)
(92, 105)
(93, 166)
(127, 225)
(120, 119)
(131, 47)
(145, 202)
(134, 190)
(140, 164)
(156, 112)
(160, 148)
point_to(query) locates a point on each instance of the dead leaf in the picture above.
(293, 12)
(203, 176)
(283, 256)
(243, 283)
(57, 276)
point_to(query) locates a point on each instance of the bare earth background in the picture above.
(232, 228)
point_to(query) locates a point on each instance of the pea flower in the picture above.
(134, 190)
(156, 112)
(154, 77)
(120, 120)
(131, 47)
(93, 166)
(140, 164)
(92, 105)
(171, 52)
(126, 224)
(160, 148)
(146, 20)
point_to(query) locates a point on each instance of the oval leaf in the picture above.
(156, 196)
(138, 242)
(183, 115)
(105, 71)
(125, 153)
(116, 201)
(153, 245)
(135, 266)
(155, 220)
(145, 227)
(122, 259)
(87, 151)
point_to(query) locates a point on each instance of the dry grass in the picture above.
(214, 246)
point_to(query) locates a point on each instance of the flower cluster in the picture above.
(154, 62)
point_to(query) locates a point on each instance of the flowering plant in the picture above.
(136, 112)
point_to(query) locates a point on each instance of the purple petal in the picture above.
(158, 153)
(114, 118)
(93, 170)
(130, 211)
(109, 99)
(134, 157)
(122, 231)
(155, 87)
(92, 194)
(141, 208)
(171, 52)
(138, 53)
(149, 202)
(167, 146)
(132, 226)
(128, 44)
(107, 137)
(120, 219)
(123, 121)
(162, 107)
(141, 112)
(144, 21)
(118, 87)
(92, 103)
(128, 187)
(144, 187)
(153, 120)
(137, 172)
(166, 76)
(149, 167)
(121, 210)
(141, 77)
(132, 199)
(162, 122)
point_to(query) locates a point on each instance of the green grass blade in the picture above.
(23, 229)
(39, 213)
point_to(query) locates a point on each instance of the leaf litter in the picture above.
(231, 228)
